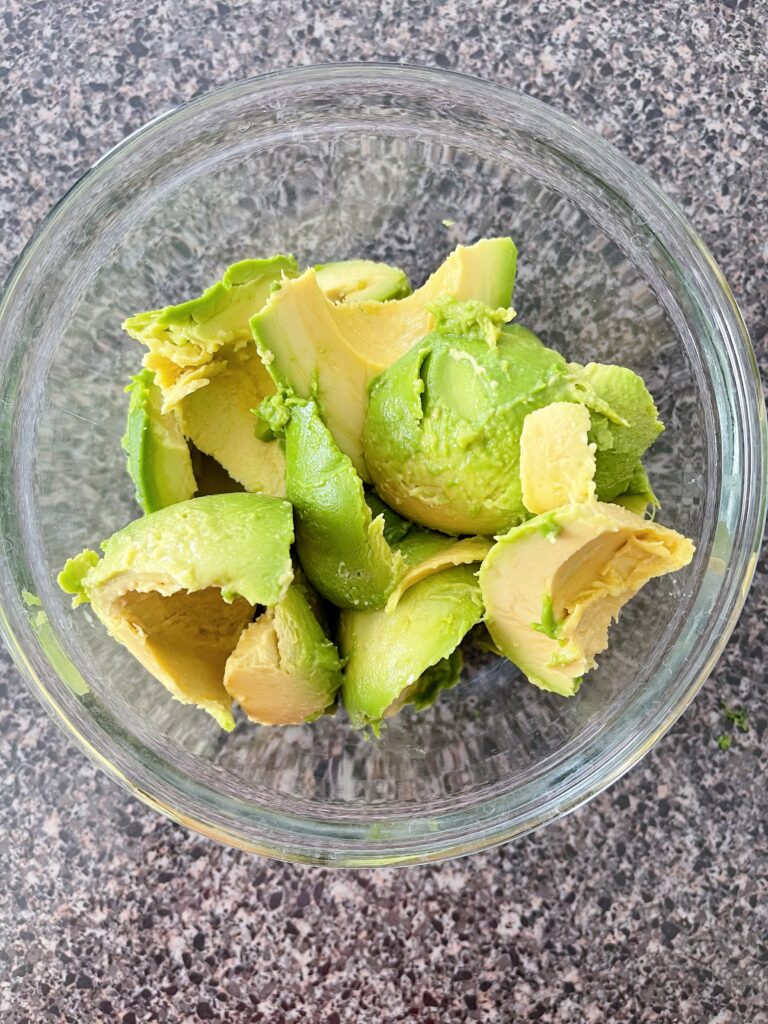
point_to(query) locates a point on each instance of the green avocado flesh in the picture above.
(388, 651)
(331, 352)
(158, 457)
(441, 438)
(178, 587)
(354, 281)
(341, 546)
(346, 484)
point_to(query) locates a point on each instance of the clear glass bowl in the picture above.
(398, 164)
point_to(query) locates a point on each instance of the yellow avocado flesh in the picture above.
(284, 670)
(255, 679)
(557, 464)
(553, 586)
(218, 420)
(183, 640)
(309, 343)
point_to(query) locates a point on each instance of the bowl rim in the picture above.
(157, 784)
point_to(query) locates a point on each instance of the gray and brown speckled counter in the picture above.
(647, 905)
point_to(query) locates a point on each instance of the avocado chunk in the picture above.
(442, 430)
(184, 340)
(622, 439)
(386, 652)
(395, 527)
(331, 352)
(639, 493)
(177, 587)
(354, 281)
(552, 586)
(340, 544)
(219, 421)
(557, 463)
(158, 458)
(284, 670)
(422, 694)
(425, 553)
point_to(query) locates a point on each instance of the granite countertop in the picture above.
(646, 905)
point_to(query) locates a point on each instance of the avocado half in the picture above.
(178, 587)
(552, 586)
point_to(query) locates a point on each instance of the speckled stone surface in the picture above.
(649, 904)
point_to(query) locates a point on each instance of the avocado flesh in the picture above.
(158, 458)
(331, 352)
(426, 553)
(284, 670)
(441, 434)
(184, 341)
(340, 545)
(557, 463)
(354, 281)
(622, 440)
(638, 495)
(553, 586)
(441, 438)
(388, 651)
(219, 421)
(177, 587)
(422, 694)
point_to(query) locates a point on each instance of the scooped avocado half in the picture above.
(355, 281)
(340, 544)
(434, 605)
(284, 669)
(552, 586)
(331, 352)
(158, 457)
(178, 587)
(442, 432)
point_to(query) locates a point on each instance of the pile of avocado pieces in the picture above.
(342, 478)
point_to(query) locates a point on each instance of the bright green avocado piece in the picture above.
(284, 670)
(331, 352)
(552, 586)
(340, 544)
(395, 527)
(354, 281)
(622, 440)
(159, 462)
(386, 652)
(177, 587)
(638, 494)
(442, 432)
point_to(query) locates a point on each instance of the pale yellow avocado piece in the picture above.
(331, 352)
(219, 422)
(284, 670)
(552, 586)
(557, 463)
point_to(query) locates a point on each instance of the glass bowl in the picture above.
(399, 164)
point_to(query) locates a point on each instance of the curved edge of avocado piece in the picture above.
(386, 652)
(353, 281)
(178, 586)
(158, 458)
(340, 545)
(552, 586)
(284, 669)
